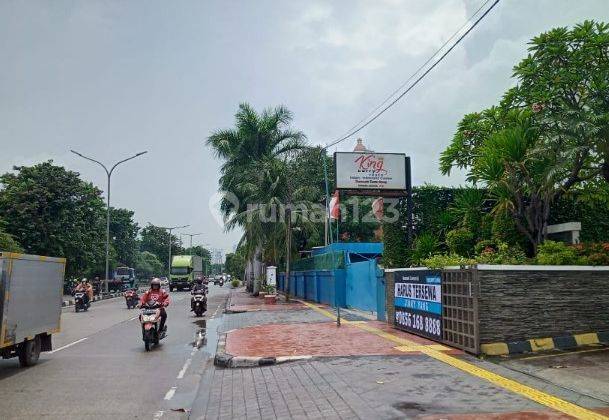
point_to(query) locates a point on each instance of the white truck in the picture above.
(31, 289)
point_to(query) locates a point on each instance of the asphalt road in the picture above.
(99, 368)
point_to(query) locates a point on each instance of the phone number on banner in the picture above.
(419, 323)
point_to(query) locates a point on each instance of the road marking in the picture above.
(184, 368)
(170, 393)
(68, 345)
(135, 317)
(158, 414)
(539, 397)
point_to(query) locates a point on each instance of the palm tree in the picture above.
(255, 155)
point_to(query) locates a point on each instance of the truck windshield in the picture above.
(180, 270)
(122, 271)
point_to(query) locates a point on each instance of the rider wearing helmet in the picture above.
(156, 294)
(83, 286)
(198, 286)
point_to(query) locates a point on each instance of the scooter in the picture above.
(150, 318)
(79, 302)
(131, 298)
(198, 302)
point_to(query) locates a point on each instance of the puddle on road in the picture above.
(206, 336)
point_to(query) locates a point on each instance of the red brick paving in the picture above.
(314, 339)
(241, 301)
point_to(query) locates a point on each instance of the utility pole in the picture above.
(288, 216)
(191, 235)
(170, 229)
(109, 174)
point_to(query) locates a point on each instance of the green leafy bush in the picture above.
(460, 241)
(558, 253)
(593, 253)
(425, 245)
(235, 283)
(8, 243)
(446, 260)
(267, 289)
(499, 253)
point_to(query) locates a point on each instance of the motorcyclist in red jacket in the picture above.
(156, 294)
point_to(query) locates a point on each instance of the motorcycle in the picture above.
(131, 298)
(79, 302)
(150, 318)
(198, 302)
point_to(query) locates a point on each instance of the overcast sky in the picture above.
(112, 78)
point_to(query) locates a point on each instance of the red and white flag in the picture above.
(335, 206)
(377, 208)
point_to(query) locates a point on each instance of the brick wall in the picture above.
(522, 304)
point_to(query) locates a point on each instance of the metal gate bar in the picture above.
(460, 309)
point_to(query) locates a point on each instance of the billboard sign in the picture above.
(418, 302)
(370, 171)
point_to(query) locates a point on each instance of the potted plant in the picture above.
(270, 297)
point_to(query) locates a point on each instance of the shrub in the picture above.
(486, 245)
(425, 245)
(446, 260)
(235, 283)
(593, 253)
(500, 253)
(460, 241)
(268, 289)
(8, 243)
(557, 253)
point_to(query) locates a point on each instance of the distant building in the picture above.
(359, 147)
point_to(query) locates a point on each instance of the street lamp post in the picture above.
(169, 260)
(109, 174)
(191, 235)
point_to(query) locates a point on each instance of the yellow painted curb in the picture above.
(495, 349)
(586, 339)
(538, 344)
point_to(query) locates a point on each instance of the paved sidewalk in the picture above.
(241, 301)
(365, 369)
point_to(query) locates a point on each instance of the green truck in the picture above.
(184, 270)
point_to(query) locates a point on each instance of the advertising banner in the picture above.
(370, 171)
(418, 302)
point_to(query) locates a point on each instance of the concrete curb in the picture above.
(567, 342)
(70, 302)
(226, 360)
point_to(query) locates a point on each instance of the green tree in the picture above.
(564, 80)
(123, 233)
(148, 265)
(235, 263)
(7, 242)
(550, 132)
(254, 175)
(155, 240)
(521, 182)
(51, 211)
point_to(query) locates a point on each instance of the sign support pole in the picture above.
(408, 203)
(327, 215)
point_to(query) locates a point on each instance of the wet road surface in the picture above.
(100, 369)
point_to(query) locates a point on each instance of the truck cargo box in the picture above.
(31, 290)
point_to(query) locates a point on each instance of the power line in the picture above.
(412, 76)
(355, 131)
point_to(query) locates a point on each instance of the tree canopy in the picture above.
(549, 133)
(123, 233)
(51, 211)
